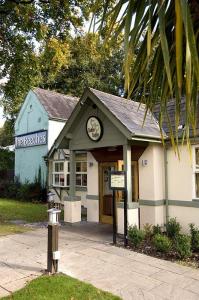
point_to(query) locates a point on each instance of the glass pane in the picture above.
(61, 177)
(78, 179)
(68, 179)
(56, 167)
(197, 185)
(78, 167)
(68, 167)
(197, 157)
(61, 167)
(84, 179)
(84, 166)
(56, 179)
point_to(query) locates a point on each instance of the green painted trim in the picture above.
(184, 203)
(72, 198)
(132, 205)
(92, 197)
(152, 202)
(81, 188)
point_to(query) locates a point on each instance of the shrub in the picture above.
(173, 228)
(183, 245)
(136, 236)
(162, 243)
(157, 229)
(194, 231)
(148, 230)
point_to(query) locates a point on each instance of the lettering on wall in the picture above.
(31, 139)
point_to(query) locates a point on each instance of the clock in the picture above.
(94, 128)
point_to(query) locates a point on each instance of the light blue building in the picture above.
(39, 122)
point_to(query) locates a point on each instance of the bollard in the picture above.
(53, 254)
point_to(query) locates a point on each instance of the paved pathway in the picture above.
(88, 257)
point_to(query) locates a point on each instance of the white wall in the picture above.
(180, 172)
(54, 128)
(92, 175)
(151, 176)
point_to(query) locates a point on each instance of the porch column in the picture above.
(72, 203)
(127, 169)
(132, 207)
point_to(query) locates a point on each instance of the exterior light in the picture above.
(53, 216)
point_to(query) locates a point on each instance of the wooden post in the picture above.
(52, 265)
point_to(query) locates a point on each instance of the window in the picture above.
(196, 172)
(81, 173)
(60, 173)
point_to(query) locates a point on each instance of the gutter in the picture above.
(166, 183)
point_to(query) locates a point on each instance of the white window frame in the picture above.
(81, 173)
(64, 173)
(195, 170)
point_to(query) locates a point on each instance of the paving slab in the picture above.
(88, 255)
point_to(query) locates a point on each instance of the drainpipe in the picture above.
(166, 183)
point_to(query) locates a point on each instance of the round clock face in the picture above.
(94, 128)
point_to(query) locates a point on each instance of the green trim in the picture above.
(92, 197)
(131, 205)
(72, 198)
(152, 202)
(184, 203)
(81, 188)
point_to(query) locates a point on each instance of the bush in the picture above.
(135, 235)
(173, 228)
(157, 229)
(162, 243)
(194, 231)
(148, 230)
(183, 245)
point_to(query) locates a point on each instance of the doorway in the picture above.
(105, 193)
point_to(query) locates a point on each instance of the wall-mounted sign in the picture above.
(31, 139)
(117, 180)
(94, 128)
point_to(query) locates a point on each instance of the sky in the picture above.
(2, 120)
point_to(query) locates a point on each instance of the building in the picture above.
(110, 129)
(40, 120)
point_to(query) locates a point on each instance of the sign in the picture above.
(31, 139)
(94, 128)
(117, 180)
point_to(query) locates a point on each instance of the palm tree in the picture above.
(161, 42)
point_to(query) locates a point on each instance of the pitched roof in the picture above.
(130, 113)
(171, 109)
(58, 106)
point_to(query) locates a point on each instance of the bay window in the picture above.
(60, 175)
(196, 171)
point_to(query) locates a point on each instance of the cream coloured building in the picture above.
(106, 132)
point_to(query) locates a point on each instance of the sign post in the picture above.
(118, 183)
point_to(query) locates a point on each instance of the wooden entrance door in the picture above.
(105, 193)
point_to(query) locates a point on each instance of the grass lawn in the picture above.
(11, 210)
(60, 287)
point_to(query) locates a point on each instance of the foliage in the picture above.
(35, 44)
(90, 64)
(6, 134)
(162, 243)
(6, 160)
(173, 228)
(161, 61)
(60, 287)
(194, 231)
(183, 245)
(135, 235)
(157, 229)
(148, 229)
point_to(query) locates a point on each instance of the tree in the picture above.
(161, 44)
(89, 64)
